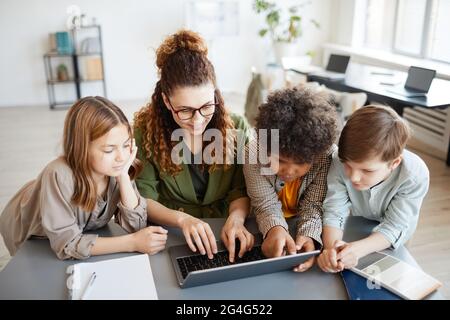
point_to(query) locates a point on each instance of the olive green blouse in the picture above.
(178, 192)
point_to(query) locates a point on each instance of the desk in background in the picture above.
(369, 79)
(36, 273)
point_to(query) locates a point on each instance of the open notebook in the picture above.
(122, 278)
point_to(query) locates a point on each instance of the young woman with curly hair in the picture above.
(180, 194)
(296, 185)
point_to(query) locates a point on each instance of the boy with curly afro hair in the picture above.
(297, 183)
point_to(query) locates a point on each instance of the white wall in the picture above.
(132, 29)
(342, 21)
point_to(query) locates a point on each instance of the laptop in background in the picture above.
(417, 84)
(193, 269)
(336, 67)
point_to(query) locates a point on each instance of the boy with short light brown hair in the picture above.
(373, 175)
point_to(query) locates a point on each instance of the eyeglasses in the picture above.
(188, 113)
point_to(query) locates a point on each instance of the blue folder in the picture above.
(359, 288)
(64, 43)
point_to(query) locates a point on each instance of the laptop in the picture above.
(417, 84)
(193, 269)
(336, 67)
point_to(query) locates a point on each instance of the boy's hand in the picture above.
(278, 242)
(304, 244)
(328, 260)
(348, 254)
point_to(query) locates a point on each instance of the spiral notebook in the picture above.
(116, 279)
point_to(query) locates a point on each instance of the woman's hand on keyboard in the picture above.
(234, 229)
(198, 235)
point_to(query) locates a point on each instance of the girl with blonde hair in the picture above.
(83, 189)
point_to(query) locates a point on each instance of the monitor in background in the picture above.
(419, 79)
(338, 63)
(417, 84)
(336, 68)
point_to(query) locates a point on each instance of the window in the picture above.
(412, 27)
(380, 24)
(439, 42)
(409, 26)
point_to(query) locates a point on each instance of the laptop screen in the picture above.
(338, 63)
(419, 79)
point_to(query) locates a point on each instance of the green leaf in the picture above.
(260, 6)
(294, 28)
(263, 32)
(282, 27)
(295, 32)
(273, 18)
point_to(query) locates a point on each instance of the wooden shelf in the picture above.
(55, 54)
(88, 54)
(63, 105)
(59, 81)
(72, 80)
(76, 58)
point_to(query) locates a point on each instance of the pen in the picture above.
(388, 83)
(382, 73)
(88, 286)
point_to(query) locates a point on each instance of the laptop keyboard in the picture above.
(202, 262)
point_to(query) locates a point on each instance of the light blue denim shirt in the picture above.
(395, 202)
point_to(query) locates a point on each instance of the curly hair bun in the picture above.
(183, 39)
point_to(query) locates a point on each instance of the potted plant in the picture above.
(283, 26)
